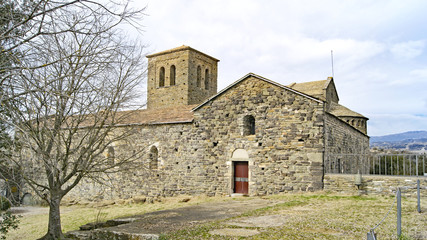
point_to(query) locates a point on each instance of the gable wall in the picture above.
(331, 94)
(285, 154)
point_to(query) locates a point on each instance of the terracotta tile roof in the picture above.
(341, 111)
(315, 89)
(176, 114)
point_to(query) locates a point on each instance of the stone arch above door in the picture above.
(240, 154)
(239, 172)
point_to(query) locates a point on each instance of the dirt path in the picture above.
(151, 225)
(29, 210)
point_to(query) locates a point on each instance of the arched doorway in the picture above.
(240, 160)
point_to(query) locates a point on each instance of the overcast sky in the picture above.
(379, 48)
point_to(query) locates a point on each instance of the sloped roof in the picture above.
(177, 49)
(175, 114)
(183, 114)
(316, 88)
(341, 111)
(260, 78)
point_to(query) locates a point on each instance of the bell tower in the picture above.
(180, 76)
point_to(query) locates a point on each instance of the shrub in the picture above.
(7, 222)
(4, 203)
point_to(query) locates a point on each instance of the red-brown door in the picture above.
(241, 183)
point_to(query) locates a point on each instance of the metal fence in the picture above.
(377, 164)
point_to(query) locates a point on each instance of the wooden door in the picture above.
(241, 180)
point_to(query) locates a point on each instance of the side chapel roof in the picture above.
(315, 88)
(318, 89)
(341, 111)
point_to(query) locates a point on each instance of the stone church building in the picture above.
(254, 137)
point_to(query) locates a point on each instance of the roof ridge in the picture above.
(263, 79)
(177, 49)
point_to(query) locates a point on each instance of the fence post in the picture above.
(418, 196)
(404, 165)
(424, 164)
(416, 163)
(399, 213)
(371, 235)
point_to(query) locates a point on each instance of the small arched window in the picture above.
(207, 79)
(110, 155)
(248, 125)
(154, 157)
(199, 76)
(172, 75)
(162, 77)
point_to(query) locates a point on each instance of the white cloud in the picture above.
(416, 77)
(419, 73)
(408, 50)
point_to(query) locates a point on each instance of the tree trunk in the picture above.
(54, 228)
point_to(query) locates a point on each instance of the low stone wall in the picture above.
(375, 184)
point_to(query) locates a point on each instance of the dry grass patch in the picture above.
(321, 216)
(34, 226)
(304, 216)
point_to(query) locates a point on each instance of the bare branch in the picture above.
(66, 72)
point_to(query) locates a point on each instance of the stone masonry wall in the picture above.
(175, 174)
(167, 95)
(285, 153)
(345, 147)
(375, 184)
(343, 139)
(198, 94)
(185, 91)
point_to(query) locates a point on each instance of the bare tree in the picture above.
(23, 22)
(74, 72)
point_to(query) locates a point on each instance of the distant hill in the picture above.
(415, 141)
